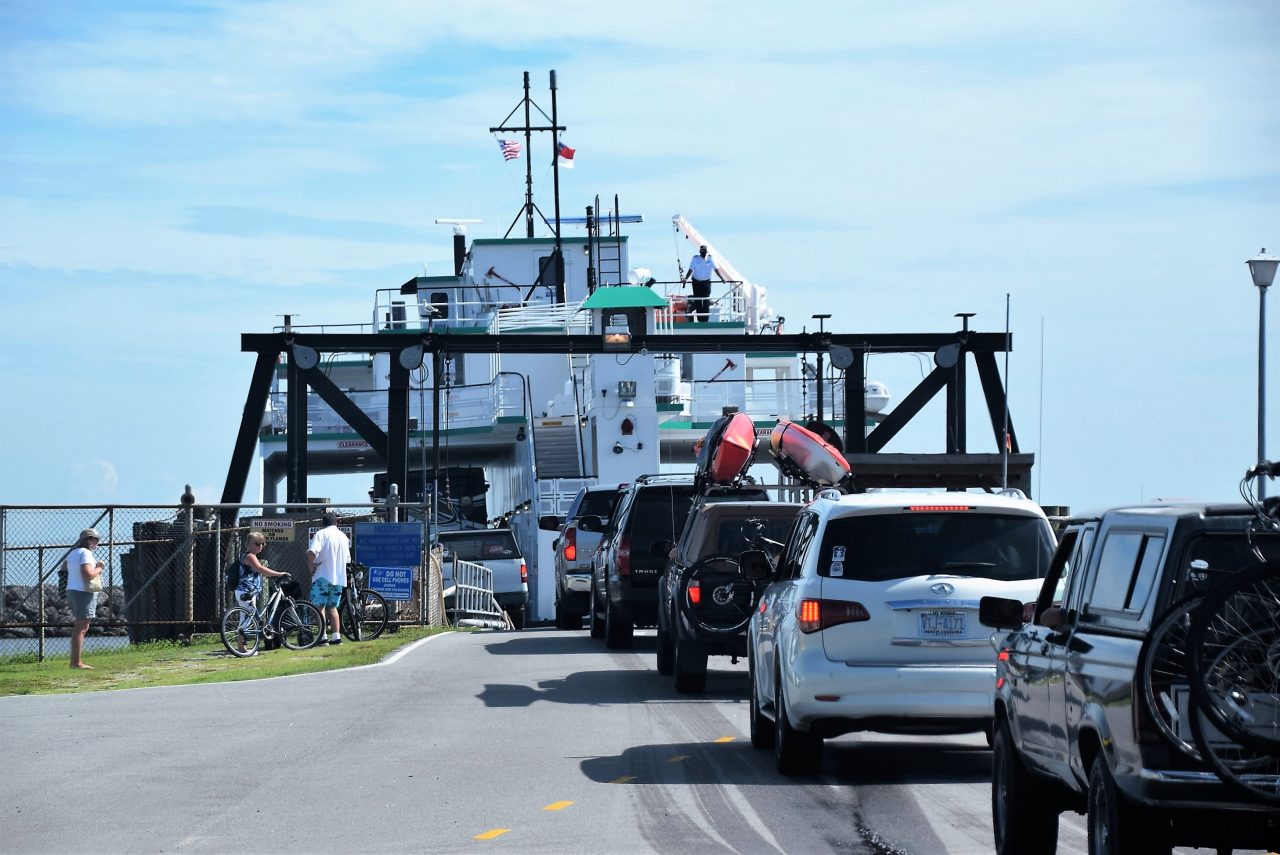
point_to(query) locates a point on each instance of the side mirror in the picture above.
(591, 522)
(754, 565)
(555, 544)
(1000, 613)
(550, 522)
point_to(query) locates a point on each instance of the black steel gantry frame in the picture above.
(954, 469)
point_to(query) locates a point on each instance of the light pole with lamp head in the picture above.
(1263, 270)
(821, 331)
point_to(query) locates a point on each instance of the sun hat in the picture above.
(90, 532)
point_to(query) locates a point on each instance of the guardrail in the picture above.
(473, 600)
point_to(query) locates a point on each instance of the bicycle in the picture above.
(297, 624)
(1223, 645)
(363, 615)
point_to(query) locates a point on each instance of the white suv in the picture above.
(871, 618)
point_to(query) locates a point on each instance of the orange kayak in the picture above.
(733, 449)
(798, 450)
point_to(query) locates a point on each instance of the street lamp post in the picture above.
(1263, 270)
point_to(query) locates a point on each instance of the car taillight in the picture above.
(624, 555)
(813, 615)
(695, 592)
(571, 543)
(524, 573)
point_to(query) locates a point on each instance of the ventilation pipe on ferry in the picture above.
(459, 253)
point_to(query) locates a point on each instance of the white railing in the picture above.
(462, 406)
(471, 587)
(565, 316)
(556, 495)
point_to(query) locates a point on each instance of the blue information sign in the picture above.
(389, 544)
(393, 583)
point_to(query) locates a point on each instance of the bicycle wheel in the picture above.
(1235, 658)
(240, 622)
(373, 613)
(349, 616)
(1253, 773)
(301, 625)
(1166, 677)
(725, 600)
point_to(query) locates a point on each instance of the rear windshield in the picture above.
(479, 545)
(660, 514)
(597, 503)
(875, 548)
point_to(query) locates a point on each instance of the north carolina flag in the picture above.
(566, 156)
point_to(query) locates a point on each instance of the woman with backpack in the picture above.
(251, 570)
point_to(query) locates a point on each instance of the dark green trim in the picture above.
(670, 408)
(512, 420)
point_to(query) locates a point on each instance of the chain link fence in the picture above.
(164, 577)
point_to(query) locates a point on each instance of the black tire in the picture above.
(689, 667)
(728, 599)
(233, 621)
(352, 626)
(1118, 827)
(1235, 652)
(516, 614)
(1166, 670)
(301, 625)
(760, 726)
(566, 619)
(666, 653)
(1024, 812)
(619, 633)
(795, 752)
(597, 624)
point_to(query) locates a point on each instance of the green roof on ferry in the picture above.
(623, 297)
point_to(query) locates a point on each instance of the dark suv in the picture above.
(1093, 710)
(646, 520)
(705, 602)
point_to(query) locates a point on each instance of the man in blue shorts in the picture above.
(328, 556)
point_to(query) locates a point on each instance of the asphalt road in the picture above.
(534, 741)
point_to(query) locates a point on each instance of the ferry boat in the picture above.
(528, 413)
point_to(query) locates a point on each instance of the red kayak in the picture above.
(799, 451)
(732, 449)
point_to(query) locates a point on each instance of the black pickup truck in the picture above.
(1093, 709)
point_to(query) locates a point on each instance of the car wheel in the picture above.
(597, 625)
(761, 727)
(1024, 814)
(618, 631)
(1117, 826)
(517, 617)
(666, 653)
(796, 752)
(690, 667)
(566, 619)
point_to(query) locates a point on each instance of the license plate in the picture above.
(944, 624)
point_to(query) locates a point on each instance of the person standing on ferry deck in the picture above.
(701, 266)
(328, 556)
(82, 568)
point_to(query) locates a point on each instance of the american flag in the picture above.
(510, 149)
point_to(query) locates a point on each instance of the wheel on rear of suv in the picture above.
(689, 668)
(593, 615)
(516, 614)
(666, 652)
(796, 752)
(618, 631)
(761, 727)
(1023, 810)
(1116, 825)
(566, 619)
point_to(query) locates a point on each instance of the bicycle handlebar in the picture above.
(1269, 468)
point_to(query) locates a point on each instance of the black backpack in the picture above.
(233, 574)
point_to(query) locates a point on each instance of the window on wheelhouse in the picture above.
(880, 547)
(440, 302)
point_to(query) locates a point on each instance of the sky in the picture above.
(174, 174)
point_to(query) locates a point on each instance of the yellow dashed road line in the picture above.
(623, 779)
(557, 806)
(491, 833)
(726, 739)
